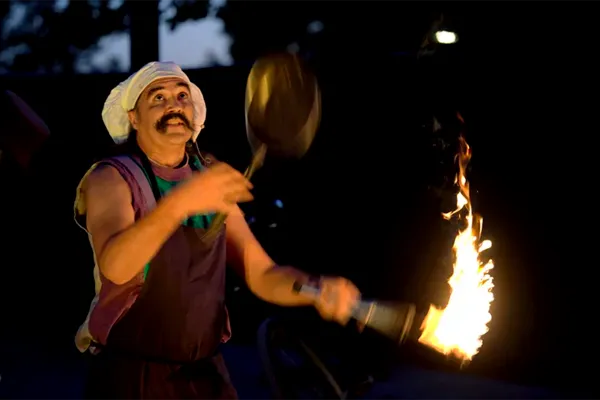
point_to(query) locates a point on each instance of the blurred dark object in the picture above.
(22, 131)
(306, 358)
(23, 202)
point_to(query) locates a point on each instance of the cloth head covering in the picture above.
(124, 97)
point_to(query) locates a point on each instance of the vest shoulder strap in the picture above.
(148, 200)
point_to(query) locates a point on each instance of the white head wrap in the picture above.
(124, 97)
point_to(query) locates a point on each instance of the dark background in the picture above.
(363, 203)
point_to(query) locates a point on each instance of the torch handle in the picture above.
(362, 309)
(395, 320)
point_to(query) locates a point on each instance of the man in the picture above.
(159, 315)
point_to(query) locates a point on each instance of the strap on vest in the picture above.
(148, 199)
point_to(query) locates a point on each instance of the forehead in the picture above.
(165, 84)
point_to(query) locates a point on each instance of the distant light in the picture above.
(293, 48)
(446, 37)
(315, 27)
(278, 203)
(251, 220)
(273, 225)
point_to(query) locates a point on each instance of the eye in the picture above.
(159, 97)
(183, 95)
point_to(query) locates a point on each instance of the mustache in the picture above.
(161, 124)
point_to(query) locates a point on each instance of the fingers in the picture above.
(348, 298)
(338, 299)
(237, 195)
(234, 186)
(230, 175)
(327, 304)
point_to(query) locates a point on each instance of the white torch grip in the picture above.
(394, 320)
(361, 311)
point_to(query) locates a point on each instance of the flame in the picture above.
(458, 328)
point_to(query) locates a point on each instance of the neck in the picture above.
(167, 156)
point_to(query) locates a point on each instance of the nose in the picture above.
(174, 105)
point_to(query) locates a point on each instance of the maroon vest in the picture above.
(178, 313)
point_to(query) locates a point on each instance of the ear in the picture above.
(133, 119)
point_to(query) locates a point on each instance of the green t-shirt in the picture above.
(201, 221)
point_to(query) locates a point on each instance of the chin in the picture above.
(177, 136)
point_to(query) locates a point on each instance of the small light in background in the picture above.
(315, 27)
(446, 37)
(293, 48)
(278, 203)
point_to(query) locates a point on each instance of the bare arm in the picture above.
(266, 280)
(123, 246)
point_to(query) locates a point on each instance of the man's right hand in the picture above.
(217, 189)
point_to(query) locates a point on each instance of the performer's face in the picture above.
(165, 110)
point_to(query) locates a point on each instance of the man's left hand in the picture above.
(338, 298)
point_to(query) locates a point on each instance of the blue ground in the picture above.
(25, 373)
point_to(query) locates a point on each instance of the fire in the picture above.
(459, 327)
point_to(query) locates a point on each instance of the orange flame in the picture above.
(459, 327)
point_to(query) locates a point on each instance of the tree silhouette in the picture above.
(51, 40)
(47, 38)
(259, 27)
(188, 10)
(55, 40)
